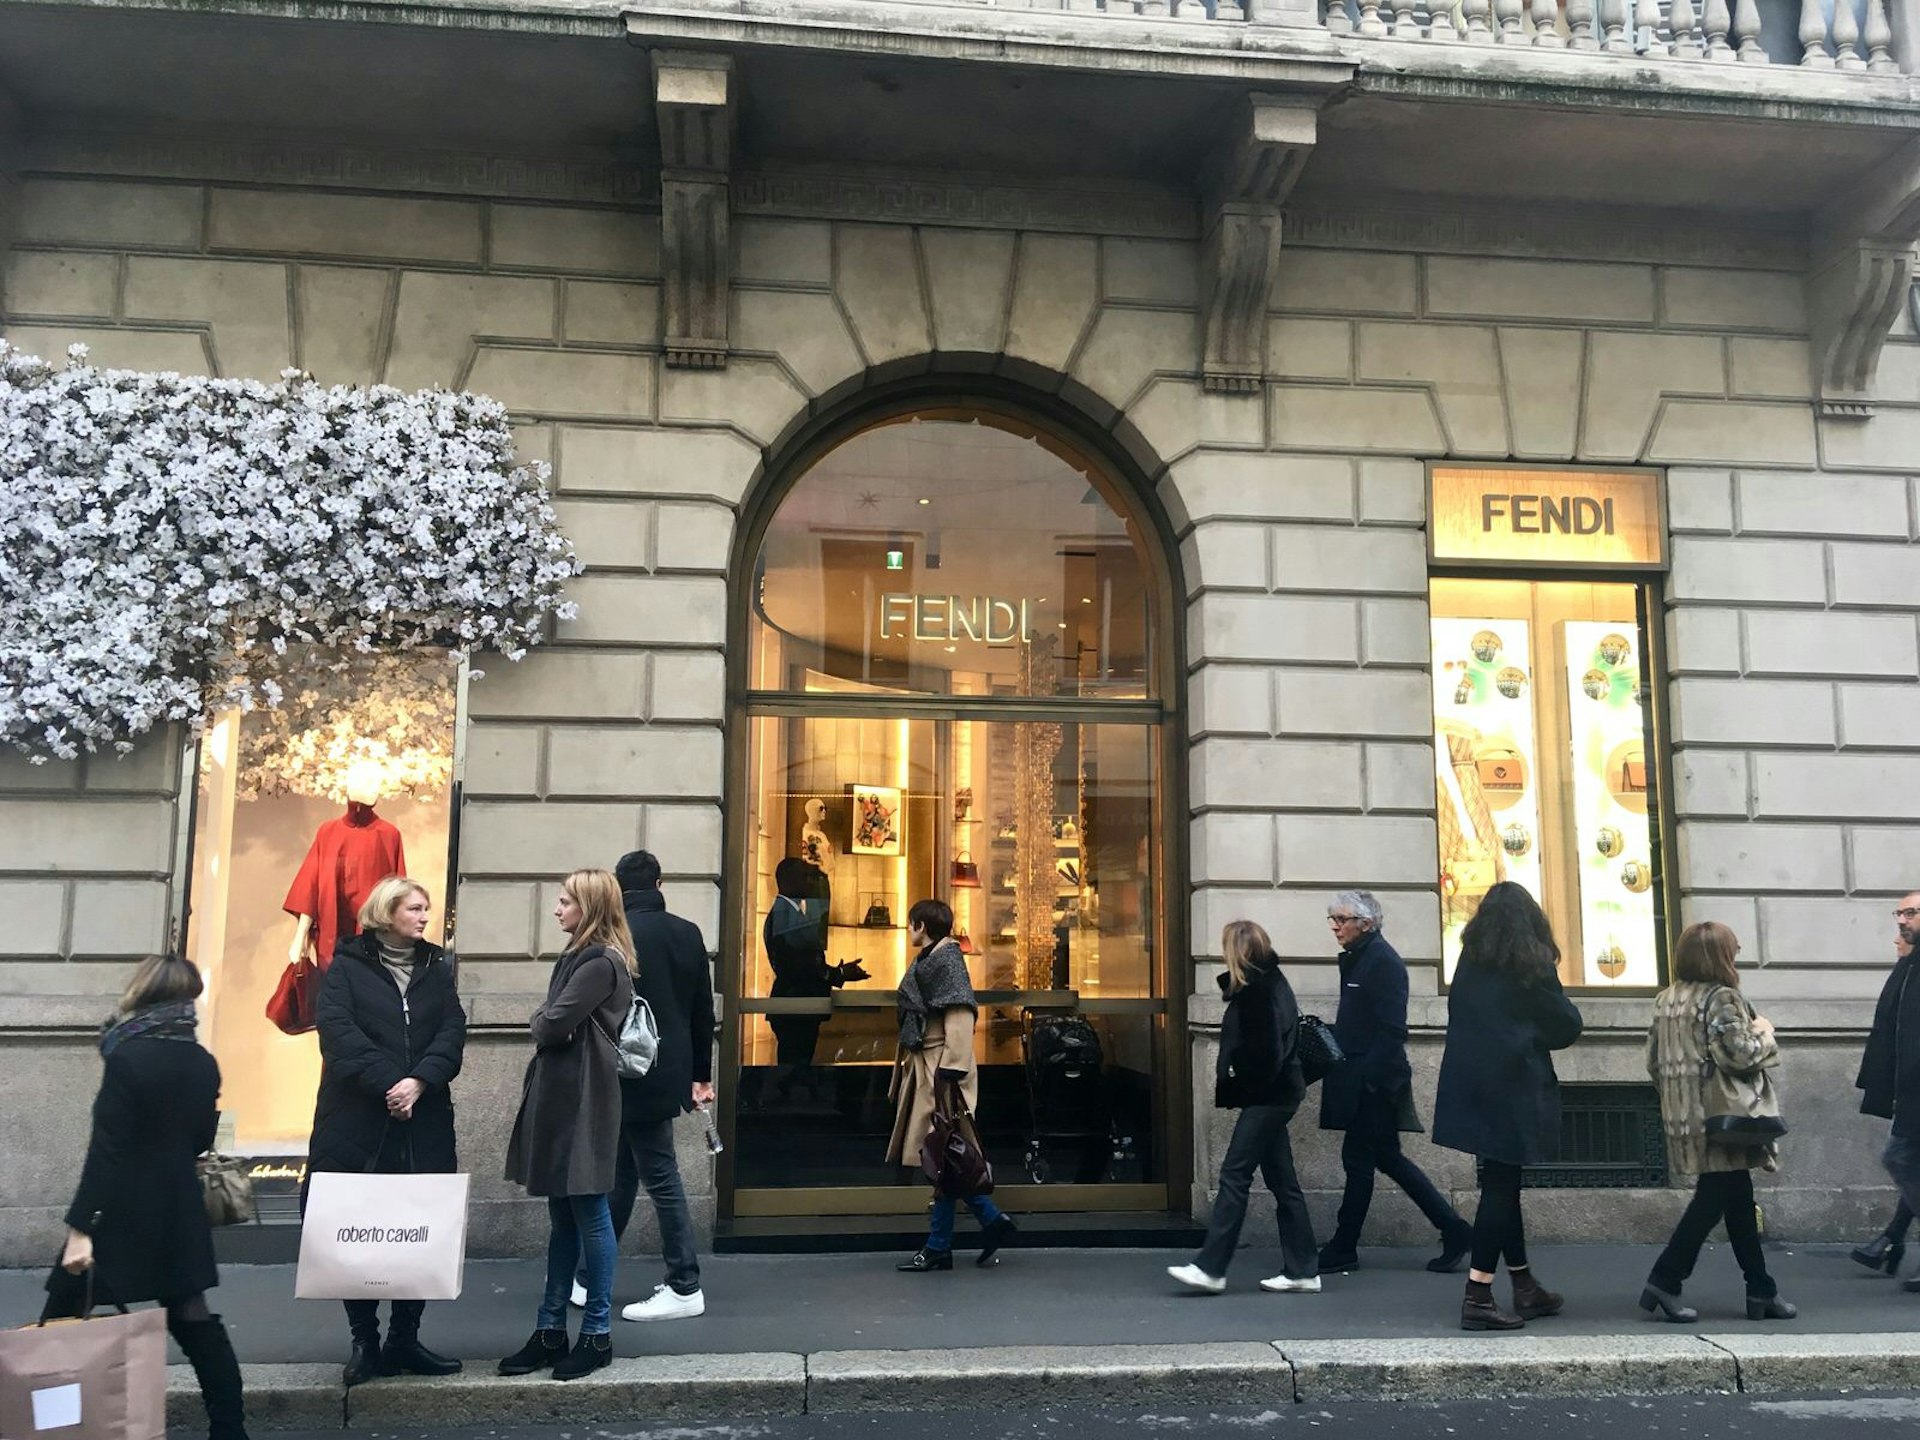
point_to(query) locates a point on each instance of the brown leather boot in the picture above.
(1531, 1300)
(1479, 1312)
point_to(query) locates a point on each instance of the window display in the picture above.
(1540, 728)
(298, 813)
(949, 677)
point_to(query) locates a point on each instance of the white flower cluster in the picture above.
(171, 546)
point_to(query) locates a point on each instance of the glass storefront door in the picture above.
(951, 685)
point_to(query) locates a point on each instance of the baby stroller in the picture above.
(1066, 1094)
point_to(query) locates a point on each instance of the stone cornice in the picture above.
(889, 197)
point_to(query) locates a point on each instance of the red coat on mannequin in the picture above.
(348, 857)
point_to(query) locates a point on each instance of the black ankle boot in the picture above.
(1480, 1311)
(363, 1364)
(543, 1348)
(209, 1350)
(405, 1355)
(1882, 1252)
(590, 1353)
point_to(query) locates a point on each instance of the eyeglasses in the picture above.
(1337, 920)
(1906, 912)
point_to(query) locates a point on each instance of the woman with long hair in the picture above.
(138, 1218)
(1258, 1074)
(566, 1139)
(1702, 1023)
(1499, 1098)
(392, 1035)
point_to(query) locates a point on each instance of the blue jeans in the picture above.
(647, 1158)
(582, 1227)
(940, 1231)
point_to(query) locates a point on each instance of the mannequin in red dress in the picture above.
(348, 857)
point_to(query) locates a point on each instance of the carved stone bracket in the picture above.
(1862, 265)
(1240, 252)
(694, 104)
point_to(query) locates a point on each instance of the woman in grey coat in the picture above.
(566, 1138)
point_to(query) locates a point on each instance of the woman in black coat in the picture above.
(139, 1219)
(391, 1037)
(1499, 1098)
(1258, 1074)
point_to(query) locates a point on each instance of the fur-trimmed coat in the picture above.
(1680, 1046)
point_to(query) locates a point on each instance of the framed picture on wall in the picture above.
(876, 821)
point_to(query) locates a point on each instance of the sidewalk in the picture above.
(789, 1333)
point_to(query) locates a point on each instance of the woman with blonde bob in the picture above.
(138, 1219)
(566, 1139)
(1257, 1073)
(1702, 1023)
(392, 1035)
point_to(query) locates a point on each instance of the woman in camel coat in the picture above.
(937, 1011)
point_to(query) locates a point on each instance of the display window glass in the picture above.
(1544, 705)
(298, 813)
(950, 694)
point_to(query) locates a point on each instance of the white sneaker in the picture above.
(1194, 1278)
(579, 1297)
(666, 1303)
(1287, 1285)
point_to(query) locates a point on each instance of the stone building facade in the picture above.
(1269, 271)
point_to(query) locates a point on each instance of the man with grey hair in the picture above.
(1370, 1094)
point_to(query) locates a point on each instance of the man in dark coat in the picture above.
(1890, 1070)
(1370, 1094)
(677, 984)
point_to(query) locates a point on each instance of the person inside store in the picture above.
(1889, 1078)
(138, 1221)
(935, 1067)
(1369, 1095)
(1498, 1098)
(566, 1137)
(677, 984)
(795, 935)
(392, 1036)
(1703, 1028)
(1257, 1072)
(1878, 1079)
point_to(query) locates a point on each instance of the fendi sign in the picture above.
(980, 618)
(1554, 519)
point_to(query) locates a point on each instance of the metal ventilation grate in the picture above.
(1610, 1139)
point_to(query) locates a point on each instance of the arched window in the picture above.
(951, 689)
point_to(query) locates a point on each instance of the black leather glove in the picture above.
(851, 970)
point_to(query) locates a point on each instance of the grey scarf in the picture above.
(937, 980)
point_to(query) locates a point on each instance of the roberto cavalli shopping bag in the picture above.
(383, 1237)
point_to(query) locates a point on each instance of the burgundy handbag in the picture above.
(296, 997)
(951, 1157)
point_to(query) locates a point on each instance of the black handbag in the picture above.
(1318, 1049)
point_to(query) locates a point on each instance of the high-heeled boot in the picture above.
(209, 1351)
(1883, 1252)
(1479, 1310)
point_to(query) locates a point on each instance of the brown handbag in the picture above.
(951, 1157)
(1500, 770)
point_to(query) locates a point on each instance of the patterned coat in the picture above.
(1680, 1046)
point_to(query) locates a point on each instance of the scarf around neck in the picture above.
(173, 1021)
(937, 980)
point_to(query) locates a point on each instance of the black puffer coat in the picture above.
(139, 1195)
(371, 1038)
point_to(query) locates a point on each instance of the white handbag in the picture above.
(383, 1237)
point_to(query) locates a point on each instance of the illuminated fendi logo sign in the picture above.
(979, 618)
(1547, 519)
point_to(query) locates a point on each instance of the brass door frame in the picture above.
(811, 439)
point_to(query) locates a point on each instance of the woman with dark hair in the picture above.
(1257, 1073)
(1499, 1098)
(937, 1011)
(139, 1219)
(1702, 1023)
(796, 939)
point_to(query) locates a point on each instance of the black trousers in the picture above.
(1372, 1144)
(363, 1319)
(1260, 1142)
(1718, 1195)
(1497, 1227)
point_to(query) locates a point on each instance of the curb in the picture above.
(1238, 1373)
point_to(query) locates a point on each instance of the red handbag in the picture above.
(294, 1000)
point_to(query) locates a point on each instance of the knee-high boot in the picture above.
(215, 1366)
